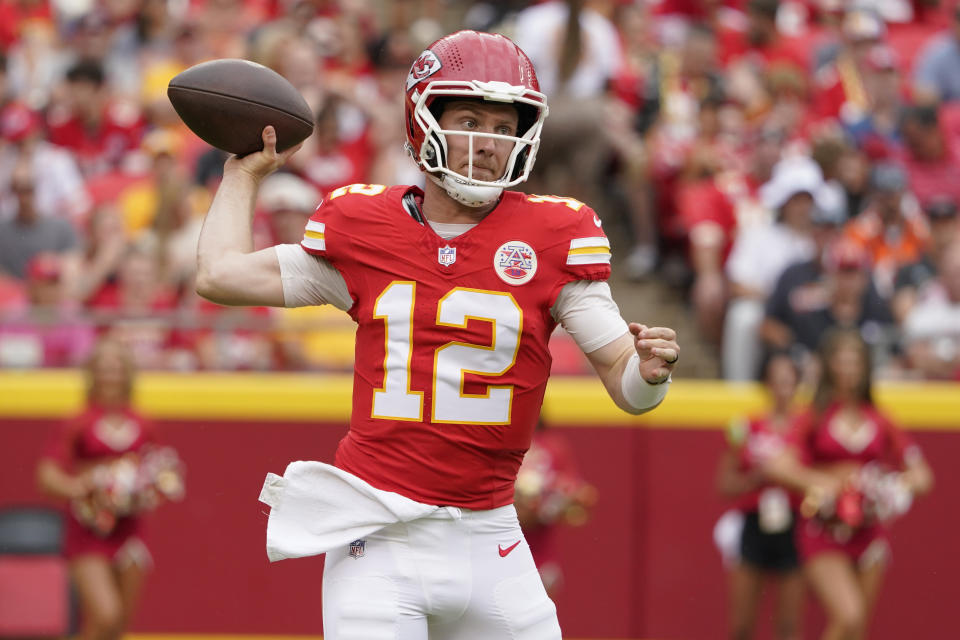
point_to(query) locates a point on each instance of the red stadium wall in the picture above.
(643, 567)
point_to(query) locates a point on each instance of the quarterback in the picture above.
(455, 290)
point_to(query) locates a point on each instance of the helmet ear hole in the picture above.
(412, 133)
(433, 151)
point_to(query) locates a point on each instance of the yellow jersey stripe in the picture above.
(586, 250)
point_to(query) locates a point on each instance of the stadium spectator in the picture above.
(760, 45)
(573, 46)
(928, 157)
(106, 35)
(333, 156)
(705, 203)
(892, 229)
(108, 557)
(34, 61)
(632, 108)
(167, 220)
(45, 331)
(59, 187)
(139, 307)
(155, 30)
(838, 452)
(28, 232)
(931, 330)
(97, 126)
(684, 77)
(852, 173)
(911, 278)
(782, 102)
(760, 254)
(576, 51)
(834, 289)
(224, 25)
(105, 245)
(877, 127)
(287, 202)
(764, 550)
(936, 72)
(391, 164)
(839, 67)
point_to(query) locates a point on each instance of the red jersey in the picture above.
(758, 442)
(98, 434)
(819, 442)
(451, 349)
(97, 150)
(933, 179)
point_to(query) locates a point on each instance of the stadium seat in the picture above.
(34, 581)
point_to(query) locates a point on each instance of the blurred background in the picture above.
(765, 170)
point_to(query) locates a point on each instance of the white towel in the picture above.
(316, 507)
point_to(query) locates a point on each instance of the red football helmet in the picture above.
(469, 64)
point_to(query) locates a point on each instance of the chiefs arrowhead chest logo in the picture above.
(515, 262)
(425, 66)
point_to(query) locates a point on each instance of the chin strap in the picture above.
(468, 194)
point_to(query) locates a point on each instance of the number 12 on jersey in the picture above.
(452, 361)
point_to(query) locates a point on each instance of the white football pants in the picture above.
(454, 575)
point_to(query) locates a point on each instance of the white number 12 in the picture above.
(396, 401)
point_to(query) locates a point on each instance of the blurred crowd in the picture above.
(789, 165)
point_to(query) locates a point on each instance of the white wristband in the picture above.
(637, 392)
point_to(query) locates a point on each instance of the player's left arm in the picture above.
(635, 368)
(633, 361)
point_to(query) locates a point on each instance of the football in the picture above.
(228, 102)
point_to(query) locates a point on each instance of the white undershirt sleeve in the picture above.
(310, 280)
(586, 310)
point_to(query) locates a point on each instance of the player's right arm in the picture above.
(229, 271)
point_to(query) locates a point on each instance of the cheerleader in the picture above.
(101, 464)
(857, 471)
(762, 520)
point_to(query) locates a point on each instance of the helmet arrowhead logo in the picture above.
(425, 66)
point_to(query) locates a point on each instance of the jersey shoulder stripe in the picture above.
(592, 250)
(313, 236)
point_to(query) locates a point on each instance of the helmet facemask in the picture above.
(433, 152)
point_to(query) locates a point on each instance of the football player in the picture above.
(455, 289)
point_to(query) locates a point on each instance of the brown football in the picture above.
(228, 102)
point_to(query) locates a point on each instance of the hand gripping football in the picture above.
(228, 102)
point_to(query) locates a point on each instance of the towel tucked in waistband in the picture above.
(316, 507)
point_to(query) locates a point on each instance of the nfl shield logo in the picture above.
(356, 548)
(447, 255)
